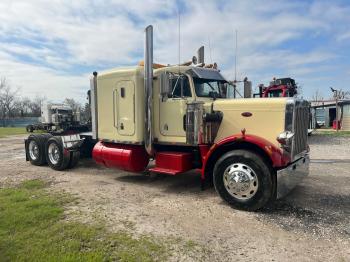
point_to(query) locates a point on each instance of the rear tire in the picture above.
(244, 180)
(35, 150)
(57, 157)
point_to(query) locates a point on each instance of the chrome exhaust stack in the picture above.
(148, 86)
(93, 105)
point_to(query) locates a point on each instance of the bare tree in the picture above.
(340, 94)
(2, 86)
(85, 113)
(344, 94)
(317, 97)
(35, 105)
(18, 109)
(8, 98)
(73, 104)
(299, 89)
(25, 105)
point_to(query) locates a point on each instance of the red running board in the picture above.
(172, 163)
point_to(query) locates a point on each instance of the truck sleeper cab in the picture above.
(253, 150)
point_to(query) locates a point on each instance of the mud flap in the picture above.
(26, 149)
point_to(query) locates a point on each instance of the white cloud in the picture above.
(40, 81)
(69, 35)
(344, 36)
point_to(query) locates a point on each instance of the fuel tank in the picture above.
(133, 158)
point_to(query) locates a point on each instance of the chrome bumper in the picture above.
(290, 176)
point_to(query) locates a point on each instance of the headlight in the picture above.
(285, 139)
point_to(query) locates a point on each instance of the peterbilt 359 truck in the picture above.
(252, 150)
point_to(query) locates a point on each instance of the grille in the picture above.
(300, 127)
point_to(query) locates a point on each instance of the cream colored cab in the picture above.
(267, 118)
(120, 95)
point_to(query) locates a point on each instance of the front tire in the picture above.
(244, 180)
(57, 157)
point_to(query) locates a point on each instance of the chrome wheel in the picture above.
(240, 181)
(54, 153)
(33, 149)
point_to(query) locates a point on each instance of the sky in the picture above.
(50, 48)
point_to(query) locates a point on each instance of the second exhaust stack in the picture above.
(200, 55)
(148, 86)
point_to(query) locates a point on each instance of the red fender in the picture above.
(276, 155)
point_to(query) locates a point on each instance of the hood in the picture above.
(264, 117)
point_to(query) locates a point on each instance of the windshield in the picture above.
(275, 93)
(61, 111)
(210, 88)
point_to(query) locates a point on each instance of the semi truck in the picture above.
(58, 119)
(175, 119)
(281, 87)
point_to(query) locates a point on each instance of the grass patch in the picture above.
(332, 133)
(32, 229)
(10, 131)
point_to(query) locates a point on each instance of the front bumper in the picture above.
(290, 176)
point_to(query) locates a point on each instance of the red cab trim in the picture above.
(276, 155)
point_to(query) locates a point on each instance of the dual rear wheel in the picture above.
(47, 149)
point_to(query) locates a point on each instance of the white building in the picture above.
(324, 113)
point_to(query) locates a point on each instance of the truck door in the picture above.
(124, 108)
(172, 110)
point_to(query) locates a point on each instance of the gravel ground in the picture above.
(310, 224)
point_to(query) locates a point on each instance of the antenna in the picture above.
(236, 53)
(211, 60)
(179, 32)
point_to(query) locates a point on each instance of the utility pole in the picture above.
(236, 47)
(336, 110)
(336, 96)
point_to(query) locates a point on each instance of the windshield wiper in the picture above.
(212, 88)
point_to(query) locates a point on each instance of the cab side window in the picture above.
(180, 86)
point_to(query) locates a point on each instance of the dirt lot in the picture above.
(310, 224)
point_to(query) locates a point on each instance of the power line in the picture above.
(236, 48)
(211, 59)
(179, 35)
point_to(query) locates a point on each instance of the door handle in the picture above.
(184, 122)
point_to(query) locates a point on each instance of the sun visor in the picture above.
(206, 73)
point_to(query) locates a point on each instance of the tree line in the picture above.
(13, 105)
